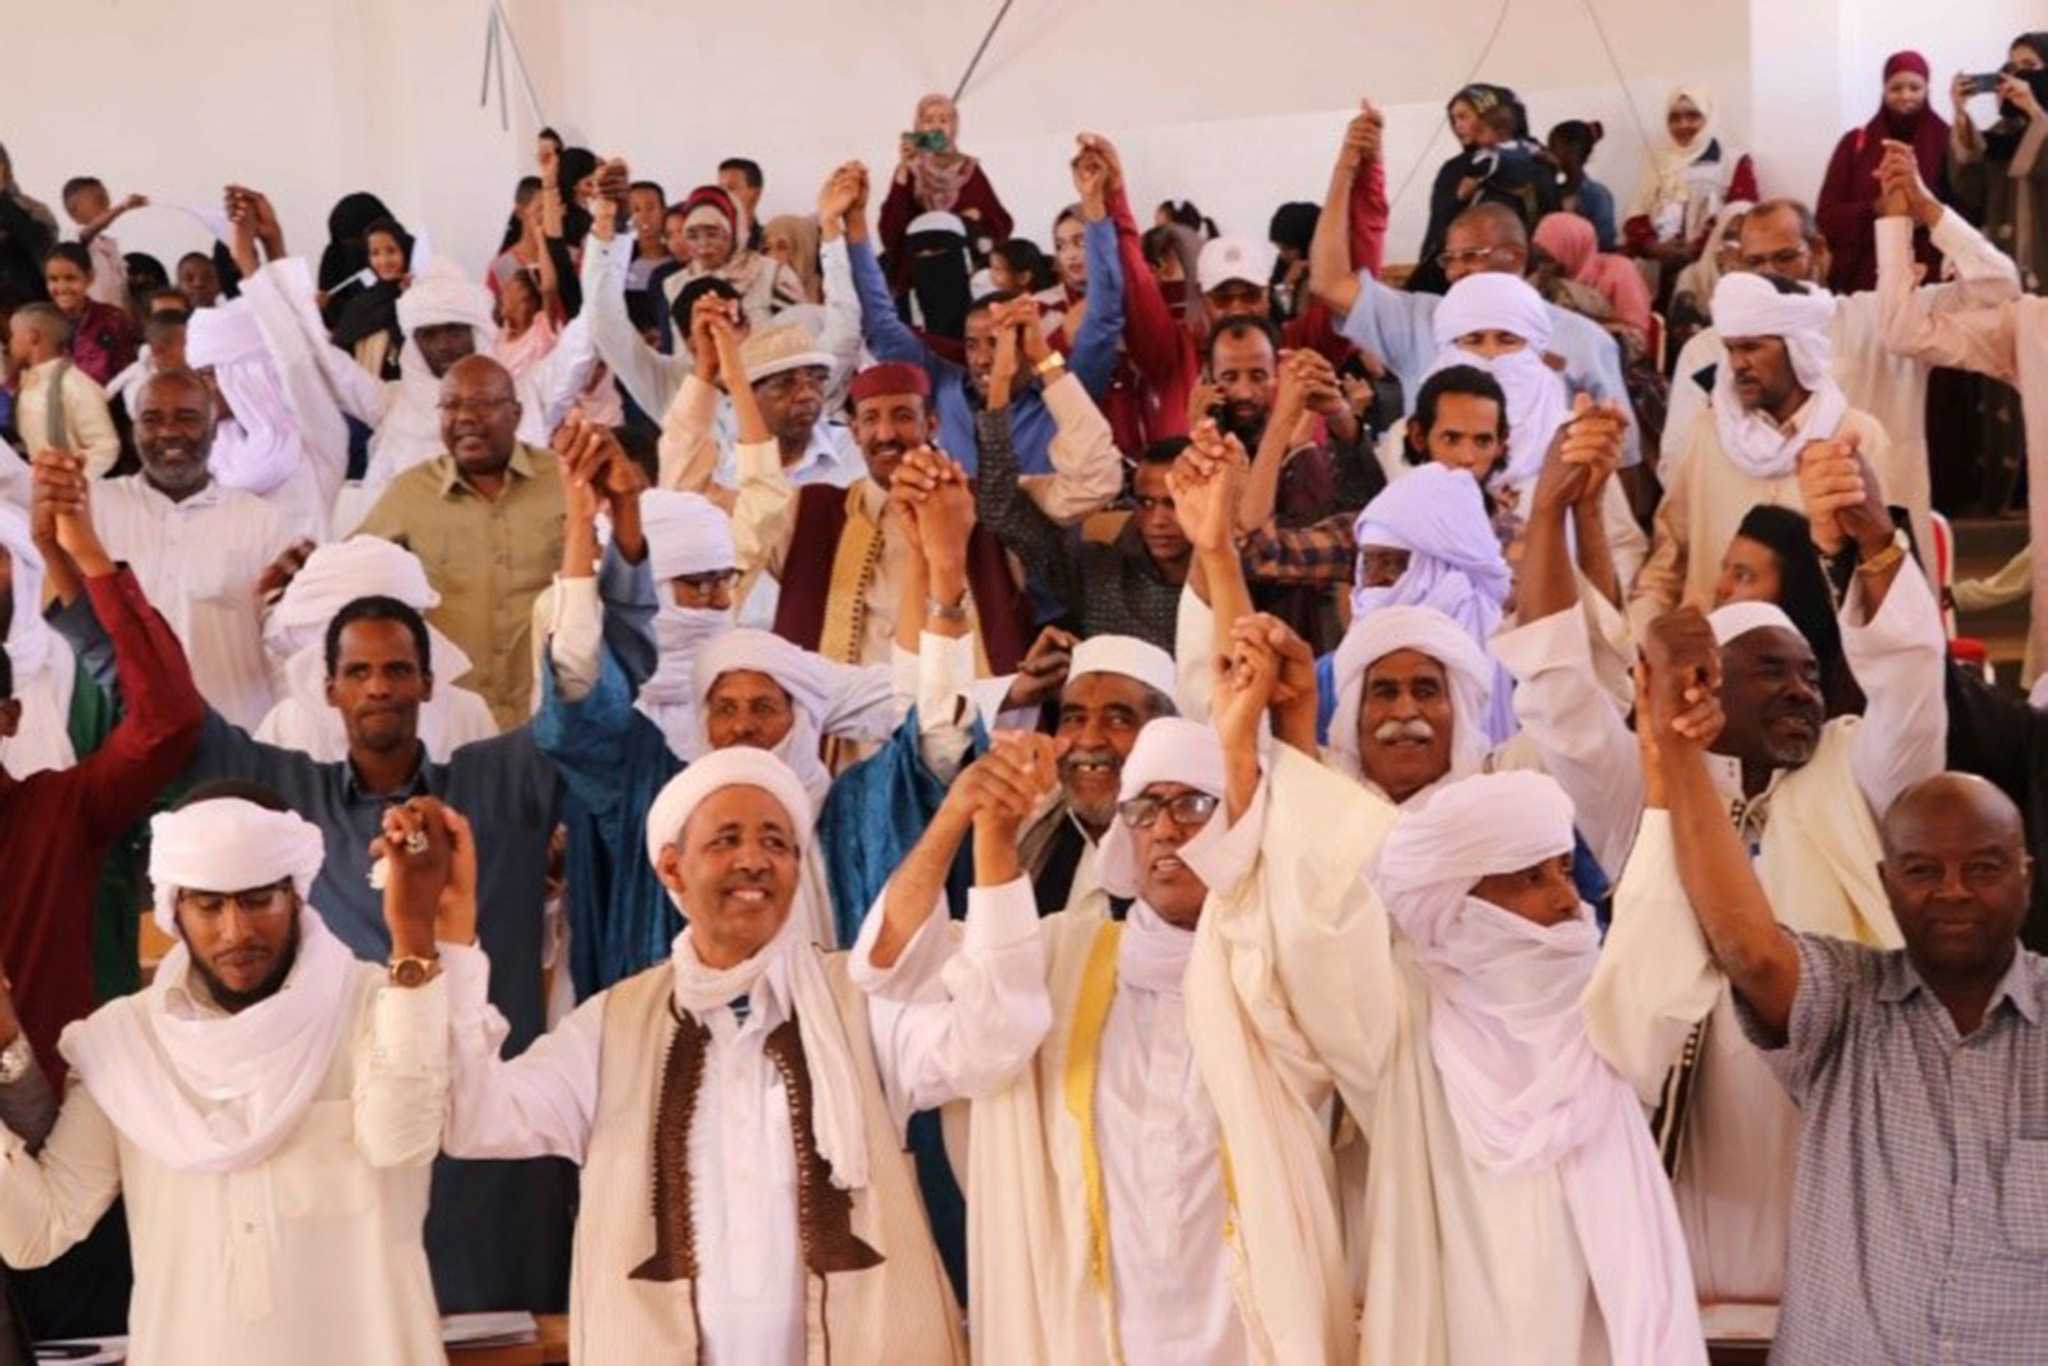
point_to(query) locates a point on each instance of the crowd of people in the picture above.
(854, 785)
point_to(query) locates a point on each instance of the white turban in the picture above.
(31, 644)
(229, 845)
(1746, 306)
(1740, 618)
(258, 447)
(334, 576)
(441, 294)
(1171, 749)
(795, 670)
(1128, 656)
(835, 1091)
(1537, 403)
(1429, 632)
(1438, 515)
(687, 533)
(236, 1086)
(1526, 1089)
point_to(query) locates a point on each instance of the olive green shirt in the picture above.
(488, 559)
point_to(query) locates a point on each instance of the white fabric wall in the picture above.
(1236, 106)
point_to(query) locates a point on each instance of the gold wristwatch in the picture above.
(412, 971)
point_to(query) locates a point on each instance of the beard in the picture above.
(1247, 425)
(232, 1000)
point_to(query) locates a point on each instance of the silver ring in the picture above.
(416, 842)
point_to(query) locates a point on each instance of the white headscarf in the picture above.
(799, 672)
(235, 1085)
(1748, 305)
(796, 966)
(1152, 954)
(410, 430)
(1668, 180)
(1537, 403)
(258, 446)
(1525, 1086)
(44, 669)
(686, 533)
(1429, 632)
(1438, 515)
(334, 576)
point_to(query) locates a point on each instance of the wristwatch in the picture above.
(413, 971)
(953, 612)
(1050, 366)
(15, 1060)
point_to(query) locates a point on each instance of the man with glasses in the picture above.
(1780, 237)
(485, 517)
(1107, 1225)
(1398, 326)
(269, 1106)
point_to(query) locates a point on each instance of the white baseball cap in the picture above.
(1224, 259)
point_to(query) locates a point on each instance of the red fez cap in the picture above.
(890, 377)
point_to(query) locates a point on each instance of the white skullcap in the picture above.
(1169, 750)
(229, 844)
(1428, 632)
(686, 533)
(1492, 301)
(441, 295)
(1749, 305)
(223, 334)
(1740, 618)
(1126, 655)
(739, 766)
(1476, 827)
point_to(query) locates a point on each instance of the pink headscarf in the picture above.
(939, 181)
(1573, 243)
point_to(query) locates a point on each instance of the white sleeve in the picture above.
(956, 1019)
(945, 701)
(1572, 722)
(564, 373)
(1969, 253)
(539, 1104)
(576, 637)
(50, 1200)
(650, 377)
(839, 338)
(1897, 659)
(401, 1078)
(281, 298)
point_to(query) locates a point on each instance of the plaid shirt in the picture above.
(1321, 554)
(1920, 1208)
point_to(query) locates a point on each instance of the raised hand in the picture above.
(1205, 482)
(1005, 786)
(1681, 667)
(945, 520)
(1842, 498)
(837, 197)
(1091, 181)
(278, 574)
(1002, 377)
(1112, 163)
(584, 449)
(709, 309)
(1043, 670)
(1901, 190)
(1246, 674)
(1362, 137)
(418, 858)
(61, 500)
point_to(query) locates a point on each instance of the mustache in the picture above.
(1414, 728)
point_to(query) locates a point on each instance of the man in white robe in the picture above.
(269, 1107)
(295, 637)
(745, 1194)
(1775, 396)
(1803, 794)
(1127, 1197)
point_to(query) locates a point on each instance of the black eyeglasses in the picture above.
(1190, 810)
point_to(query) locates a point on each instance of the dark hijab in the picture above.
(2002, 139)
(1804, 595)
(350, 218)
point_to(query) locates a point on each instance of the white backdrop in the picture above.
(1238, 106)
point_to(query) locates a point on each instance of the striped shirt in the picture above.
(1920, 1208)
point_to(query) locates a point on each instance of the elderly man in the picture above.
(789, 375)
(736, 1113)
(1775, 396)
(1781, 237)
(1434, 959)
(1397, 326)
(1803, 796)
(297, 638)
(1116, 1228)
(206, 551)
(1930, 1044)
(270, 1107)
(486, 516)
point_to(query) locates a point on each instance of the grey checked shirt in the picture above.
(1920, 1209)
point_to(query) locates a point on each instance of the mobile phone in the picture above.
(1983, 82)
(933, 140)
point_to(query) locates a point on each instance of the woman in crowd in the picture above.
(2001, 172)
(103, 340)
(1687, 181)
(934, 176)
(366, 323)
(1570, 145)
(791, 241)
(711, 224)
(1771, 559)
(1847, 208)
(1572, 243)
(1449, 194)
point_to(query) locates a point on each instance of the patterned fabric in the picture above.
(1320, 553)
(1920, 1210)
